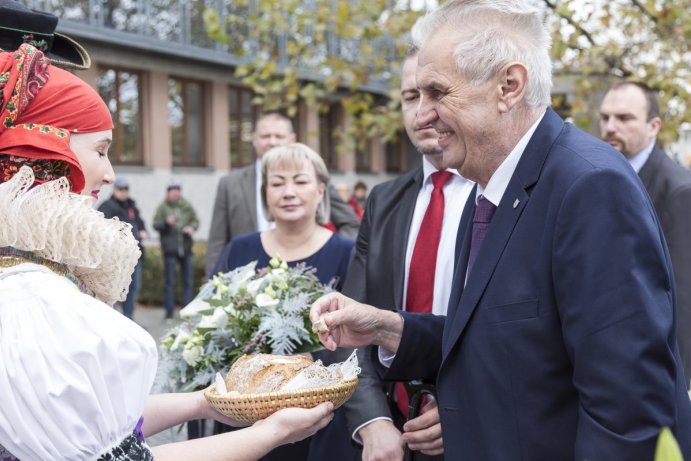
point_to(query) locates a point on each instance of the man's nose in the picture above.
(425, 115)
(610, 125)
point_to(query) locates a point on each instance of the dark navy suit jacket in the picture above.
(561, 344)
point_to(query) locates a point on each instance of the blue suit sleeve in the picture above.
(613, 286)
(419, 353)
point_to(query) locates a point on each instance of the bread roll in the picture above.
(259, 373)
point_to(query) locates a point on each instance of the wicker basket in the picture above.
(253, 407)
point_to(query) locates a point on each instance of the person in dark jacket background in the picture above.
(176, 221)
(121, 206)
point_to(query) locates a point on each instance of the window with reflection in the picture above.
(121, 90)
(328, 140)
(362, 158)
(241, 117)
(186, 120)
(396, 153)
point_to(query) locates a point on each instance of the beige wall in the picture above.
(156, 133)
(217, 122)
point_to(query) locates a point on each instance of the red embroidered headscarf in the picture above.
(40, 105)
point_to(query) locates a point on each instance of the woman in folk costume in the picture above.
(75, 374)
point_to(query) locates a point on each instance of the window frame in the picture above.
(185, 157)
(116, 151)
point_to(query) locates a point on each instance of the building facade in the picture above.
(179, 111)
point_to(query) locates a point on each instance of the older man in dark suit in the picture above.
(381, 275)
(237, 208)
(559, 342)
(629, 122)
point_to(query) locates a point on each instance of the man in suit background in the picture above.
(629, 122)
(559, 340)
(237, 208)
(380, 274)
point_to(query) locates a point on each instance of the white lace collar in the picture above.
(55, 224)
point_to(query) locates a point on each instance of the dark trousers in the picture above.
(186, 270)
(131, 300)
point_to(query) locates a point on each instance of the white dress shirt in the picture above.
(496, 186)
(456, 192)
(637, 161)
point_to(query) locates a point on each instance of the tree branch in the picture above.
(553, 6)
(644, 10)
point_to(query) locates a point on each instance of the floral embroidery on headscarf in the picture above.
(44, 148)
(44, 170)
(32, 74)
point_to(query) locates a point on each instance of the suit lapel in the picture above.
(509, 211)
(465, 230)
(503, 224)
(649, 169)
(248, 187)
(401, 231)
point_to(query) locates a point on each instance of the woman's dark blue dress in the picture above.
(333, 443)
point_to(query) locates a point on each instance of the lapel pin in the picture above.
(515, 204)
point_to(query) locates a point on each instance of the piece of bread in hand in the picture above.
(320, 326)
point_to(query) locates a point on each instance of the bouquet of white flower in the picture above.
(241, 312)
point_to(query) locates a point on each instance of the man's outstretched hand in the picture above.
(342, 322)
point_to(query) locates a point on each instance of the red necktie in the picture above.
(424, 262)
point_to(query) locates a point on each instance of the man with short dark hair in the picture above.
(120, 205)
(629, 122)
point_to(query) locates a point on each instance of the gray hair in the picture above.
(292, 155)
(489, 34)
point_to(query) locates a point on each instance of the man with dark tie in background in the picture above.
(629, 122)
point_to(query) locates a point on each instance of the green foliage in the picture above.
(313, 50)
(153, 275)
(298, 50)
(667, 447)
(607, 41)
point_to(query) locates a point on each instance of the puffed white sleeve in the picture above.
(75, 373)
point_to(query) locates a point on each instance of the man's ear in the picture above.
(655, 125)
(513, 81)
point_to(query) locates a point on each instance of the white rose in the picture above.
(255, 285)
(264, 300)
(246, 275)
(193, 308)
(216, 320)
(181, 338)
(192, 355)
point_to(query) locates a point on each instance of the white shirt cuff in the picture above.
(386, 356)
(357, 437)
